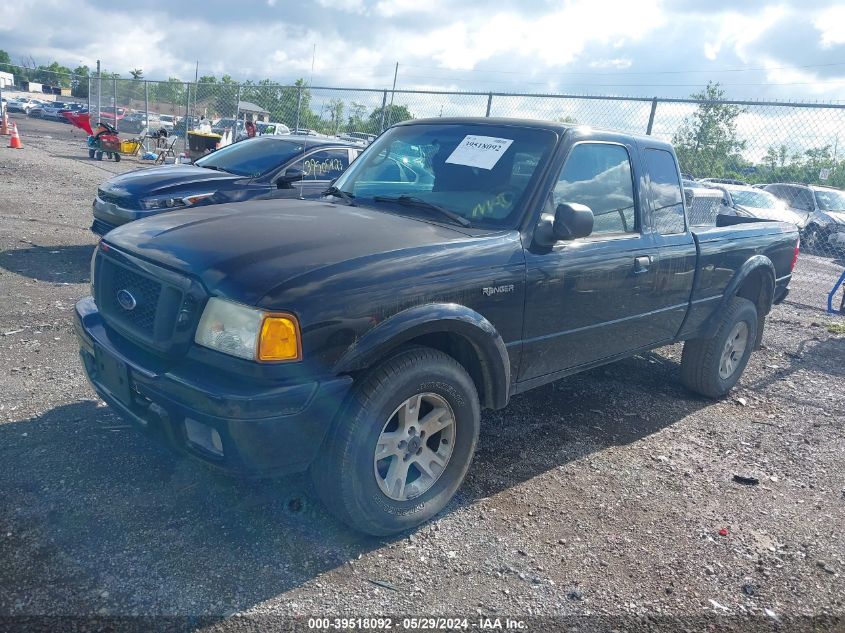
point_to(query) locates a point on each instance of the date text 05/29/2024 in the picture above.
(416, 624)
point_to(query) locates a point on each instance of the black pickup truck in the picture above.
(361, 335)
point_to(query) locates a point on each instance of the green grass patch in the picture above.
(836, 328)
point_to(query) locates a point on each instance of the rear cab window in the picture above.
(667, 199)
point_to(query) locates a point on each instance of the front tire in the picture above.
(713, 366)
(400, 448)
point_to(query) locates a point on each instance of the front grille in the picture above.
(101, 227)
(145, 293)
(121, 201)
(154, 307)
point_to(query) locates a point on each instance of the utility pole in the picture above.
(392, 93)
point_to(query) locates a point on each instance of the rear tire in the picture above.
(380, 471)
(117, 158)
(98, 155)
(713, 366)
(90, 153)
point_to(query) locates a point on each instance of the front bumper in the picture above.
(260, 430)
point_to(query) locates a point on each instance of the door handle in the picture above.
(642, 264)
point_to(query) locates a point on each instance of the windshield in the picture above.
(253, 157)
(756, 199)
(480, 172)
(830, 200)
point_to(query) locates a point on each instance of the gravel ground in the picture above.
(608, 494)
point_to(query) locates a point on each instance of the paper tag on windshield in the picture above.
(479, 151)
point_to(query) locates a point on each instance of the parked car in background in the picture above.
(135, 122)
(262, 167)
(264, 128)
(823, 209)
(224, 125)
(54, 110)
(748, 202)
(23, 105)
(724, 181)
(111, 114)
(179, 124)
(360, 137)
(167, 122)
(69, 107)
(36, 111)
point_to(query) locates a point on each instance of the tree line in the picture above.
(708, 144)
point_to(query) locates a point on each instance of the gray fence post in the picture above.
(89, 96)
(383, 107)
(146, 107)
(99, 91)
(298, 106)
(237, 112)
(114, 98)
(489, 104)
(187, 112)
(651, 116)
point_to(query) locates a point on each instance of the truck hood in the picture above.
(243, 251)
(149, 182)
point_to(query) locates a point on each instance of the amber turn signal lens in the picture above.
(279, 339)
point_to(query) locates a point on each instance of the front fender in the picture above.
(437, 318)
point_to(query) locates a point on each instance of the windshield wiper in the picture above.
(413, 201)
(338, 193)
(214, 167)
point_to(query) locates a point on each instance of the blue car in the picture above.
(263, 167)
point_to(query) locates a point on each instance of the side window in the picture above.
(326, 164)
(599, 176)
(666, 196)
(800, 198)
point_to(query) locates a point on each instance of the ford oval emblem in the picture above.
(126, 300)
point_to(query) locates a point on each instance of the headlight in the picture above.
(171, 202)
(247, 332)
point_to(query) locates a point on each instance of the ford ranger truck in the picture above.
(458, 262)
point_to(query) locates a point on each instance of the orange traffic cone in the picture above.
(4, 127)
(15, 141)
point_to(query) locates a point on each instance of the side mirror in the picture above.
(290, 175)
(571, 221)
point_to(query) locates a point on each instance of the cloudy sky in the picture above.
(757, 48)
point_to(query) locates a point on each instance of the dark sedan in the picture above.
(262, 167)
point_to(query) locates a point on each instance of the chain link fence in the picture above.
(774, 160)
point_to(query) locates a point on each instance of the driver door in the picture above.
(588, 298)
